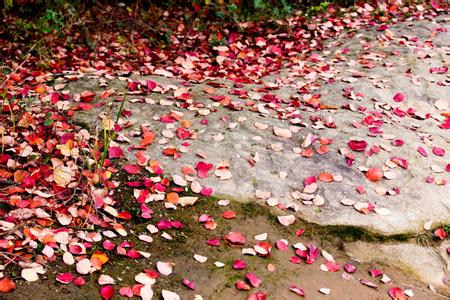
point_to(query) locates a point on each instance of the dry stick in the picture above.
(16, 69)
(425, 290)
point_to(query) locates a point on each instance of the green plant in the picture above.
(317, 9)
(51, 21)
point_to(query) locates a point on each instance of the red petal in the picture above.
(7, 285)
(239, 265)
(132, 169)
(235, 238)
(253, 279)
(115, 152)
(422, 151)
(297, 290)
(399, 97)
(438, 151)
(203, 169)
(189, 284)
(440, 233)
(65, 278)
(375, 272)
(356, 145)
(107, 292)
(79, 281)
(229, 214)
(397, 293)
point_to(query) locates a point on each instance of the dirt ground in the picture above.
(219, 283)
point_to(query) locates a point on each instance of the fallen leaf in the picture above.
(286, 220)
(165, 268)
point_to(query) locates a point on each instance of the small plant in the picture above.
(50, 21)
(317, 9)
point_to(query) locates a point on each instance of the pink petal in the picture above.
(242, 285)
(239, 265)
(400, 162)
(357, 145)
(108, 245)
(126, 291)
(107, 292)
(115, 152)
(189, 284)
(132, 169)
(235, 238)
(297, 290)
(398, 143)
(399, 97)
(375, 272)
(282, 245)
(165, 268)
(79, 281)
(332, 266)
(64, 278)
(397, 293)
(349, 268)
(253, 279)
(203, 169)
(422, 151)
(213, 242)
(438, 151)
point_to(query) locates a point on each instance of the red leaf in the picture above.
(374, 174)
(439, 70)
(235, 238)
(64, 278)
(397, 293)
(254, 280)
(257, 296)
(239, 264)
(297, 290)
(151, 85)
(357, 145)
(79, 281)
(126, 291)
(438, 151)
(115, 152)
(132, 169)
(440, 233)
(189, 284)
(349, 268)
(183, 133)
(398, 143)
(107, 292)
(282, 245)
(375, 272)
(400, 162)
(399, 97)
(213, 242)
(87, 96)
(422, 151)
(7, 285)
(300, 231)
(332, 266)
(242, 285)
(229, 214)
(203, 169)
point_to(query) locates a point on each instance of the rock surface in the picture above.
(424, 262)
(372, 67)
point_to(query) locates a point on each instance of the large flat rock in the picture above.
(423, 262)
(375, 64)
